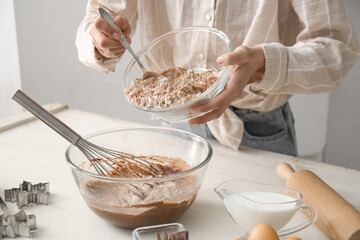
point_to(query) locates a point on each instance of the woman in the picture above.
(284, 47)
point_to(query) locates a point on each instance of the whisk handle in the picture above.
(46, 117)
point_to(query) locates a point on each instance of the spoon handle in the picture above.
(105, 15)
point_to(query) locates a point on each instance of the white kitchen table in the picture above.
(32, 151)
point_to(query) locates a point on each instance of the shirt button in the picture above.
(208, 17)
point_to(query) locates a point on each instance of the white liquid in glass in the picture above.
(252, 208)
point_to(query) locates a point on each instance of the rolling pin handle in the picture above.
(284, 170)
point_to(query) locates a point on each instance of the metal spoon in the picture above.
(146, 74)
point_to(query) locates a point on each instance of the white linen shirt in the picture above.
(309, 45)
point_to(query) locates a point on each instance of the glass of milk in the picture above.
(250, 203)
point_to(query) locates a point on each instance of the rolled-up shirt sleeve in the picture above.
(325, 50)
(86, 50)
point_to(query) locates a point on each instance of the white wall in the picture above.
(9, 62)
(311, 116)
(50, 67)
(50, 71)
(343, 142)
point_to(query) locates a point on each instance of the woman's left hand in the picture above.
(247, 66)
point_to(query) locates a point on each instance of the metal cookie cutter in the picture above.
(28, 194)
(17, 225)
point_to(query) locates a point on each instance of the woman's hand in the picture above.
(247, 66)
(105, 38)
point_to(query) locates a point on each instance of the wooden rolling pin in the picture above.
(337, 218)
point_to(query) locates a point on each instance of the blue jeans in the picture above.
(270, 131)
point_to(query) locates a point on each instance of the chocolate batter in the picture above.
(137, 204)
(157, 213)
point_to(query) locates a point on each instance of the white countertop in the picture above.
(35, 153)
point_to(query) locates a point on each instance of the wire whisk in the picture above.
(105, 161)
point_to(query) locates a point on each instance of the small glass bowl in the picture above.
(194, 48)
(136, 202)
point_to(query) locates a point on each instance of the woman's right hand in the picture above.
(105, 38)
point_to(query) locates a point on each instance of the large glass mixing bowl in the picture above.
(135, 202)
(194, 48)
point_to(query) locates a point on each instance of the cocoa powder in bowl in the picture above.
(175, 87)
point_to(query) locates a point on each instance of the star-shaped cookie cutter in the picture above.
(17, 225)
(27, 194)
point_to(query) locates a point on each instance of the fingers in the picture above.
(216, 113)
(108, 47)
(217, 106)
(239, 56)
(124, 25)
(220, 100)
(103, 26)
(247, 65)
(105, 38)
(233, 90)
